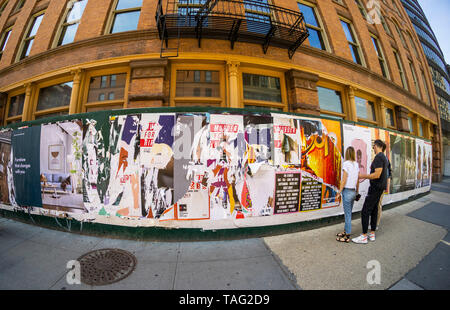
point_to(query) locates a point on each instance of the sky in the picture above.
(437, 13)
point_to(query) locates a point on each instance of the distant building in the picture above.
(438, 68)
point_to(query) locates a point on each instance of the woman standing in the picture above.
(348, 189)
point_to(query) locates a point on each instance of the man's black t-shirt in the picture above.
(380, 161)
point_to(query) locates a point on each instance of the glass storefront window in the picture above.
(365, 109)
(54, 96)
(107, 87)
(390, 117)
(329, 99)
(197, 83)
(259, 87)
(16, 105)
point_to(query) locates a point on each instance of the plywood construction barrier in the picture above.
(196, 168)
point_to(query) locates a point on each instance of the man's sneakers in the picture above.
(363, 239)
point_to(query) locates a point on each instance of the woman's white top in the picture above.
(352, 169)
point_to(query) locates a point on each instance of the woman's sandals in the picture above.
(343, 237)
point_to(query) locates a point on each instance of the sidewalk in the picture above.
(412, 248)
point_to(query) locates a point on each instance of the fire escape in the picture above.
(249, 21)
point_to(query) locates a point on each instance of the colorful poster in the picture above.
(123, 195)
(190, 191)
(5, 166)
(287, 192)
(225, 174)
(286, 139)
(60, 166)
(157, 165)
(321, 156)
(25, 166)
(360, 139)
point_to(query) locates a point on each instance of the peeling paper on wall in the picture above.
(123, 195)
(7, 191)
(151, 169)
(157, 165)
(190, 188)
(90, 146)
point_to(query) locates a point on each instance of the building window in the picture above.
(420, 129)
(106, 92)
(197, 83)
(316, 33)
(75, 9)
(385, 25)
(330, 100)
(352, 42)
(416, 82)
(424, 81)
(200, 84)
(390, 120)
(410, 124)
(412, 44)
(261, 88)
(400, 69)
(15, 108)
(19, 6)
(365, 109)
(126, 15)
(27, 42)
(4, 41)
(380, 54)
(400, 34)
(3, 6)
(54, 99)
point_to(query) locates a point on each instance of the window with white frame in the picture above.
(75, 9)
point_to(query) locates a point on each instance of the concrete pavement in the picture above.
(412, 251)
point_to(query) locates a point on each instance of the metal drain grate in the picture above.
(106, 266)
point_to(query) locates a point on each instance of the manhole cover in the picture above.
(106, 266)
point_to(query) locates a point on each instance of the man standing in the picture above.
(388, 183)
(378, 182)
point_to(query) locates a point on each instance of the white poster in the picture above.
(360, 139)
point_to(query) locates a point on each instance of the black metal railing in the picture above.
(234, 20)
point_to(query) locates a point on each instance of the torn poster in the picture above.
(190, 188)
(123, 195)
(157, 163)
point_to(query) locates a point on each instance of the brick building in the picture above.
(362, 60)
